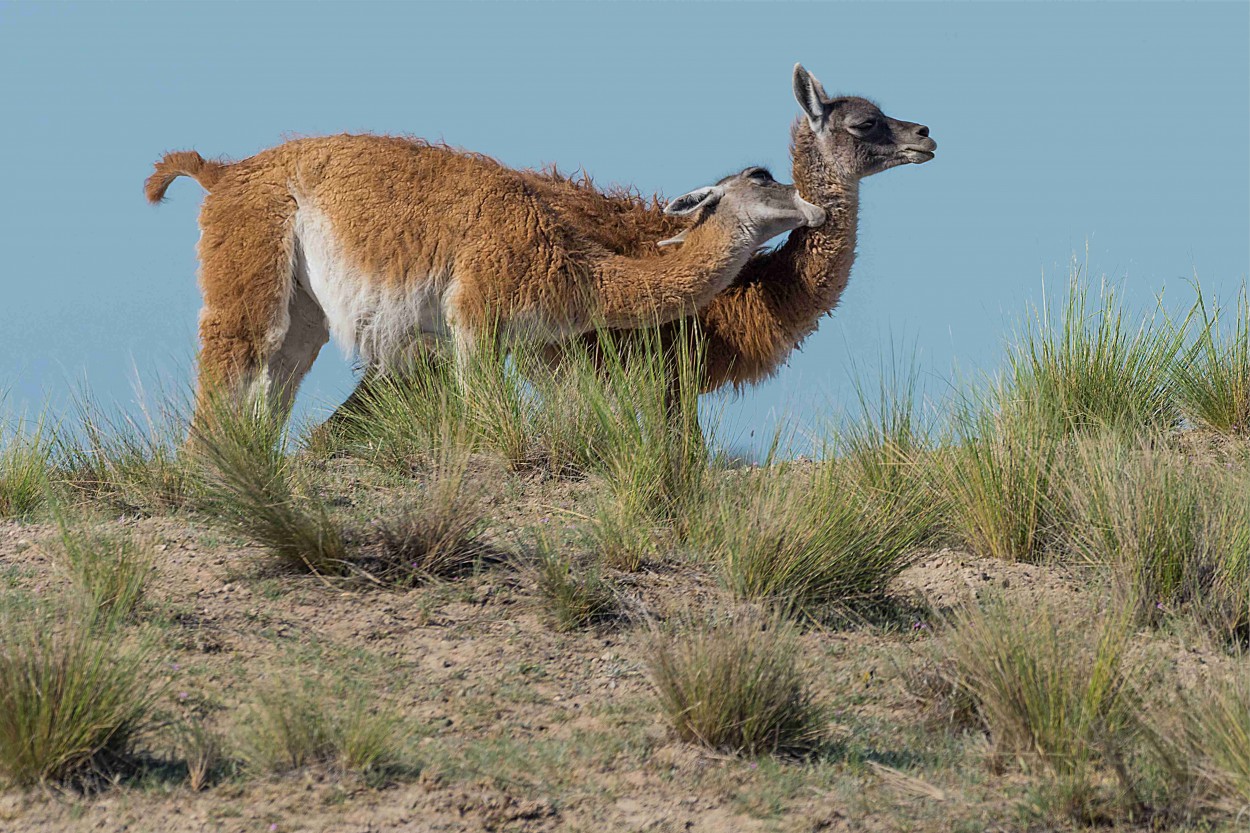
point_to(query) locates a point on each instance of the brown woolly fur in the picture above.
(402, 229)
(779, 297)
(181, 163)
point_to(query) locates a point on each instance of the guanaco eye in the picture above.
(761, 175)
(865, 126)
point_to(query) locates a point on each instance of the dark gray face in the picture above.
(853, 133)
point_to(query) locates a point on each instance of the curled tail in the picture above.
(182, 163)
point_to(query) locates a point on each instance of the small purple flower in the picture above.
(273, 828)
(175, 666)
(182, 695)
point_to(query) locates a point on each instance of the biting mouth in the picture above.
(917, 156)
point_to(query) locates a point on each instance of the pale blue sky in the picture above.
(1124, 127)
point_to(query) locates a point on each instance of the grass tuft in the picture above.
(130, 464)
(809, 539)
(24, 462)
(574, 597)
(1216, 739)
(1055, 697)
(250, 481)
(109, 569)
(1212, 380)
(1088, 367)
(296, 725)
(737, 686)
(437, 536)
(73, 701)
(1176, 531)
(997, 478)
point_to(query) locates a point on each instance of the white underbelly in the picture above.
(379, 323)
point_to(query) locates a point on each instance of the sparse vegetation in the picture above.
(737, 686)
(574, 596)
(295, 723)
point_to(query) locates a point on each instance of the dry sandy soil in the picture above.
(517, 727)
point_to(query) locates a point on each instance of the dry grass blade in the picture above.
(908, 784)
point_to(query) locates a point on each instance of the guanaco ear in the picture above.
(811, 97)
(696, 199)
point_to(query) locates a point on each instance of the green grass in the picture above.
(1055, 698)
(1174, 530)
(109, 569)
(1212, 379)
(250, 481)
(996, 477)
(811, 540)
(1087, 365)
(573, 595)
(74, 698)
(24, 463)
(1215, 737)
(737, 686)
(293, 723)
(129, 464)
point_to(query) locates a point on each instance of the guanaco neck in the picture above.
(779, 297)
(638, 292)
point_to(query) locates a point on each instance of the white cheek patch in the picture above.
(366, 317)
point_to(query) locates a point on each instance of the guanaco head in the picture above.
(750, 204)
(854, 136)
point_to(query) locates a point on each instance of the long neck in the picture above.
(637, 292)
(779, 297)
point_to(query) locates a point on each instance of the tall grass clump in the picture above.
(1175, 531)
(412, 409)
(737, 686)
(439, 533)
(24, 463)
(635, 425)
(996, 476)
(809, 541)
(298, 724)
(130, 463)
(1055, 697)
(887, 451)
(109, 569)
(1212, 380)
(74, 699)
(250, 480)
(1089, 366)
